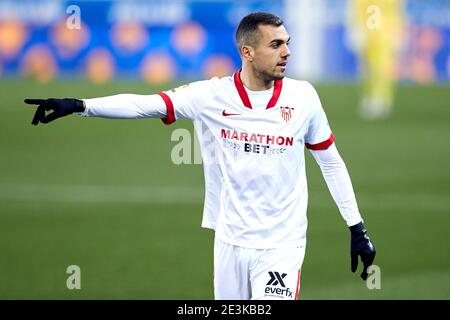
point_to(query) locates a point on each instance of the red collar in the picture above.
(244, 96)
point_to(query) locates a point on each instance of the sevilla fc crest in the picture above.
(286, 113)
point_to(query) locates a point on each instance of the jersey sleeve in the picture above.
(339, 183)
(182, 102)
(125, 106)
(319, 135)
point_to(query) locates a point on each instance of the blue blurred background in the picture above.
(159, 41)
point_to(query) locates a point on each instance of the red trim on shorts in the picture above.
(321, 145)
(298, 285)
(244, 96)
(170, 118)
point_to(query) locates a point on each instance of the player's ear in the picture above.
(247, 53)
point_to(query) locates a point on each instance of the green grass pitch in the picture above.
(104, 195)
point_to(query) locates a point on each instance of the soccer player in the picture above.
(252, 127)
(375, 28)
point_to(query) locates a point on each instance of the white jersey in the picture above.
(255, 183)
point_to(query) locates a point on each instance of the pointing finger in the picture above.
(34, 101)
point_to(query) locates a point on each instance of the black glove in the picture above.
(60, 107)
(360, 245)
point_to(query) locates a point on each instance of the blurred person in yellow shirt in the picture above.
(375, 32)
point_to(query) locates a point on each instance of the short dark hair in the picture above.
(247, 31)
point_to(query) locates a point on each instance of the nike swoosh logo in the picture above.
(226, 114)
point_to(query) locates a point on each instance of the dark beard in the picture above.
(266, 77)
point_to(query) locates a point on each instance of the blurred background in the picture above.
(104, 195)
(162, 41)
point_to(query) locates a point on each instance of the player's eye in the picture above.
(275, 44)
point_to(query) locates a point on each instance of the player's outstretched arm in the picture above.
(60, 108)
(122, 106)
(338, 180)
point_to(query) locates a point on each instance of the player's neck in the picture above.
(253, 82)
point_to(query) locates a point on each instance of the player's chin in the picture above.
(279, 75)
(279, 72)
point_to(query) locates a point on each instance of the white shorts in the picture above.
(244, 273)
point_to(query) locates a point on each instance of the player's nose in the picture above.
(285, 52)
